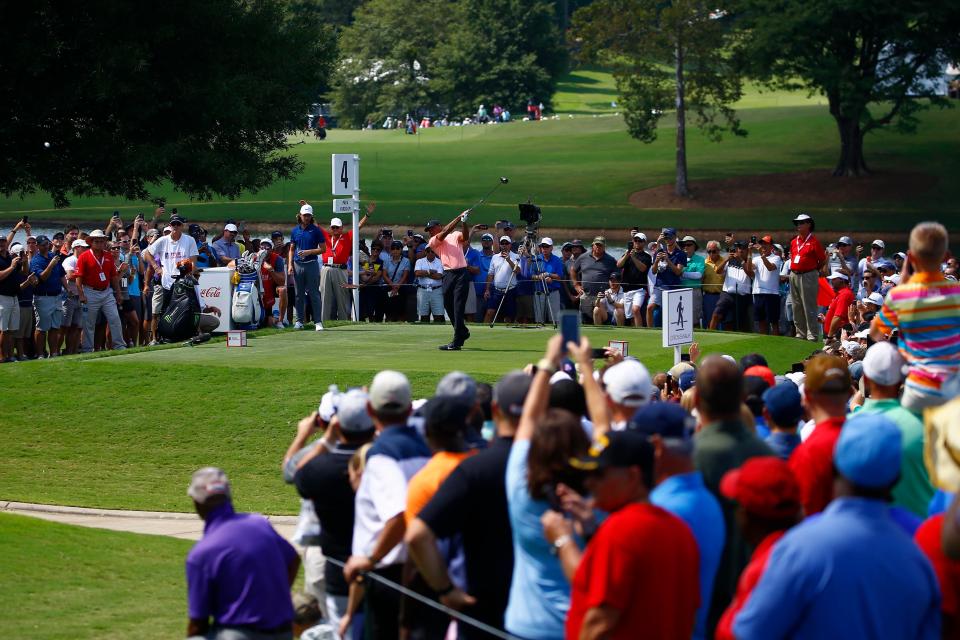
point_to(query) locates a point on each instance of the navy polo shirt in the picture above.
(53, 285)
(306, 239)
(667, 278)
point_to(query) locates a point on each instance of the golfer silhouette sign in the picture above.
(677, 323)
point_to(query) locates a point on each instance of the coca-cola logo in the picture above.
(210, 292)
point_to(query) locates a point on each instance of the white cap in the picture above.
(802, 218)
(796, 377)
(264, 241)
(628, 383)
(97, 233)
(558, 376)
(507, 238)
(729, 357)
(778, 247)
(79, 242)
(875, 298)
(306, 210)
(901, 255)
(336, 222)
(17, 248)
(166, 229)
(883, 364)
(836, 275)
(390, 390)
(546, 241)
(230, 227)
(206, 482)
(641, 235)
(879, 243)
(852, 347)
(862, 335)
(153, 232)
(352, 412)
(845, 240)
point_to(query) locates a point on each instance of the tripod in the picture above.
(537, 261)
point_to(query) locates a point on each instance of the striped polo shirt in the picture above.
(927, 312)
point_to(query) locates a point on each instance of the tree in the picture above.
(665, 55)
(200, 94)
(337, 13)
(876, 62)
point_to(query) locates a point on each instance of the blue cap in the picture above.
(669, 231)
(886, 264)
(42, 239)
(868, 451)
(687, 379)
(665, 419)
(783, 403)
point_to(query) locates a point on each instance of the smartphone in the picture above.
(753, 239)
(684, 357)
(25, 219)
(483, 227)
(599, 353)
(116, 214)
(409, 233)
(797, 367)
(570, 327)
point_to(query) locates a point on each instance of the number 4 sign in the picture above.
(346, 174)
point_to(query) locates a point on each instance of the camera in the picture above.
(753, 239)
(530, 213)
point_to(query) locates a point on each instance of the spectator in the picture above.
(379, 525)
(46, 267)
(737, 271)
(842, 259)
(72, 323)
(548, 273)
(472, 256)
(680, 490)
(570, 252)
(472, 503)
(782, 411)
(853, 548)
(808, 259)
(693, 275)
(838, 311)
(712, 281)
(925, 311)
(307, 241)
(448, 245)
(240, 572)
(26, 319)
(99, 286)
(226, 248)
(766, 287)
(634, 265)
(12, 273)
(524, 279)
(429, 274)
(371, 281)
(639, 572)
(333, 275)
(826, 390)
(627, 388)
(609, 307)
(133, 301)
(483, 258)
(272, 274)
(668, 266)
(723, 443)
(768, 505)
(589, 273)
(308, 622)
(500, 293)
(396, 274)
(882, 375)
(870, 263)
(282, 249)
(163, 256)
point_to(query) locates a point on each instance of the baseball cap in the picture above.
(507, 225)
(16, 248)
(669, 231)
(836, 275)
(641, 235)
(576, 242)
(487, 236)
(875, 298)
(194, 228)
(336, 222)
(784, 404)
(396, 244)
(617, 449)
(851, 347)
(883, 364)
(879, 243)
(628, 383)
(847, 240)
(687, 379)
(431, 224)
(265, 242)
(230, 227)
(175, 219)
(390, 390)
(457, 385)
(152, 232)
(664, 419)
(445, 414)
(827, 374)
(352, 412)
(679, 369)
(901, 255)
(778, 247)
(600, 240)
(687, 239)
(167, 229)
(80, 242)
(760, 371)
(306, 210)
(207, 482)
(510, 392)
(767, 239)
(886, 264)
(42, 239)
(506, 239)
(276, 234)
(802, 218)
(764, 486)
(546, 241)
(96, 233)
(565, 246)
(868, 451)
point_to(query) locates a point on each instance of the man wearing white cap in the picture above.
(546, 272)
(837, 312)
(635, 264)
(98, 281)
(226, 248)
(164, 255)
(869, 263)
(807, 258)
(307, 242)
(842, 258)
(72, 323)
(333, 270)
(627, 387)
(502, 283)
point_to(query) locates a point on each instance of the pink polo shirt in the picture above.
(449, 250)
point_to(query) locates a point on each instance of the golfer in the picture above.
(449, 245)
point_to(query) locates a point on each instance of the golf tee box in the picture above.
(619, 346)
(236, 338)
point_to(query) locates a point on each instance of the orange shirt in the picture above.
(450, 250)
(425, 483)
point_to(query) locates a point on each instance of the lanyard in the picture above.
(100, 262)
(804, 243)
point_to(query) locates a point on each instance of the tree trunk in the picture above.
(851, 162)
(681, 188)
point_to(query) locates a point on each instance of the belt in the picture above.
(46, 295)
(95, 288)
(420, 286)
(504, 290)
(800, 273)
(336, 266)
(457, 270)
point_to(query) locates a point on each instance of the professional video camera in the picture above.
(531, 214)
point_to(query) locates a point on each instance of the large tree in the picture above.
(877, 63)
(108, 97)
(664, 55)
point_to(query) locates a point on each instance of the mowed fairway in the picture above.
(126, 430)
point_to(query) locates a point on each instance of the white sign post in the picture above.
(346, 181)
(677, 319)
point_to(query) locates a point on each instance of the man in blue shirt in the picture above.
(850, 572)
(546, 273)
(472, 257)
(782, 409)
(207, 256)
(307, 241)
(46, 297)
(240, 572)
(681, 491)
(668, 267)
(486, 255)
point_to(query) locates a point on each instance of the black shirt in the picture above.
(10, 286)
(633, 278)
(472, 501)
(326, 482)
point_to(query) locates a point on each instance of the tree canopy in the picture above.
(200, 94)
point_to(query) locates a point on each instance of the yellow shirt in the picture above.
(712, 281)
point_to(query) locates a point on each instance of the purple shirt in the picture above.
(237, 572)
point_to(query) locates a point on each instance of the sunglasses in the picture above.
(713, 250)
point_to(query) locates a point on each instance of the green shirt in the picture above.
(914, 491)
(695, 264)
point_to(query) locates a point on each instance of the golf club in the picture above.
(502, 180)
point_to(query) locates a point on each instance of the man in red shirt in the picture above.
(826, 391)
(638, 577)
(449, 245)
(333, 270)
(807, 258)
(836, 315)
(99, 284)
(768, 504)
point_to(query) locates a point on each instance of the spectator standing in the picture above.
(782, 411)
(448, 245)
(669, 264)
(502, 284)
(548, 272)
(99, 285)
(926, 311)
(11, 275)
(226, 248)
(48, 270)
(307, 241)
(485, 255)
(836, 316)
(133, 302)
(429, 274)
(807, 260)
(766, 287)
(26, 319)
(396, 276)
(737, 271)
(72, 324)
(843, 260)
(206, 255)
(712, 281)
(590, 274)
(693, 275)
(855, 547)
(333, 276)
(163, 256)
(570, 252)
(634, 265)
(472, 256)
(240, 572)
(871, 262)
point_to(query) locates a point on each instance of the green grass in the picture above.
(127, 430)
(582, 169)
(71, 582)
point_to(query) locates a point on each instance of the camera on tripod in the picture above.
(531, 214)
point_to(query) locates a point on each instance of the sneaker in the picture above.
(153, 343)
(10, 360)
(319, 326)
(298, 325)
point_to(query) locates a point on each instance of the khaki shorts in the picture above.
(9, 313)
(26, 323)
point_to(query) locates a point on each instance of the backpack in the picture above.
(181, 317)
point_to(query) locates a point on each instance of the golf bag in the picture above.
(181, 317)
(247, 311)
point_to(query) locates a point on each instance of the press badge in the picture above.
(796, 259)
(103, 277)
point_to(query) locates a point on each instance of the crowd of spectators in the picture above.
(588, 498)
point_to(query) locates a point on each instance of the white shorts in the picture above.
(633, 299)
(9, 313)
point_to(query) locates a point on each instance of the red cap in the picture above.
(767, 239)
(761, 371)
(763, 486)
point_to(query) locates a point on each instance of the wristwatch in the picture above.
(560, 543)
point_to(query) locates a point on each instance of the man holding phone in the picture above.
(668, 265)
(12, 272)
(46, 297)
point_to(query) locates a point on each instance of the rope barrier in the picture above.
(453, 613)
